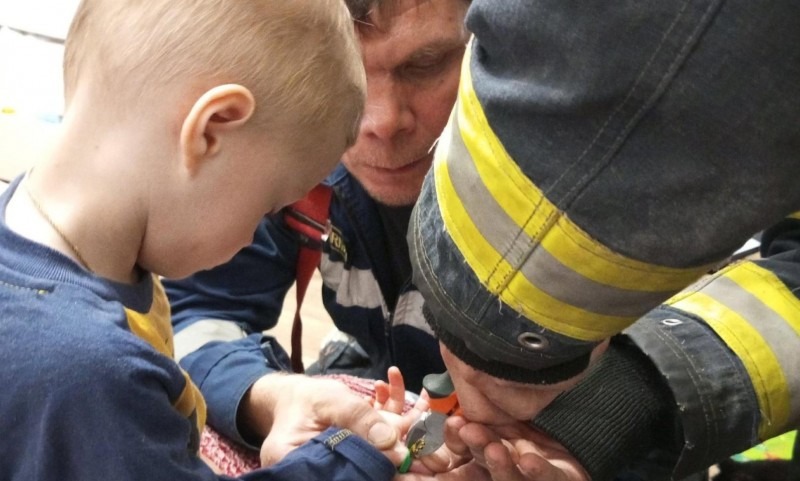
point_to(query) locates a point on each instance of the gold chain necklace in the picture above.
(46, 217)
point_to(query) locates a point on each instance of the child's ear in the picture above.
(218, 111)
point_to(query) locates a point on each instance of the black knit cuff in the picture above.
(619, 413)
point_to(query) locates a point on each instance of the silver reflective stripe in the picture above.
(774, 329)
(354, 287)
(505, 236)
(331, 272)
(196, 335)
(540, 268)
(548, 274)
(409, 312)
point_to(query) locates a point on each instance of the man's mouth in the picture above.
(404, 168)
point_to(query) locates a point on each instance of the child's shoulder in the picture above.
(68, 333)
(71, 366)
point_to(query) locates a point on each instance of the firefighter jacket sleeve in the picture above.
(706, 375)
(597, 162)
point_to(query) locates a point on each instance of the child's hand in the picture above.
(514, 452)
(390, 399)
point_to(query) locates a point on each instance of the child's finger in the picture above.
(397, 391)
(412, 415)
(390, 396)
(421, 405)
(381, 394)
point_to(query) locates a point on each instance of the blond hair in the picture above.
(298, 57)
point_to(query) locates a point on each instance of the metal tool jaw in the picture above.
(427, 433)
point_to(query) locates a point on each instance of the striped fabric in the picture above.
(155, 328)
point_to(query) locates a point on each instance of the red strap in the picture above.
(309, 218)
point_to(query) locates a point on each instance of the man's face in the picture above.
(412, 55)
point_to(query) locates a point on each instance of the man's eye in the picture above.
(424, 69)
(431, 66)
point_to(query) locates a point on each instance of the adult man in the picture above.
(412, 54)
(599, 160)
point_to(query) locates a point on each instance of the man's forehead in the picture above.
(385, 15)
(389, 8)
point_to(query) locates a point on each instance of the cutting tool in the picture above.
(427, 433)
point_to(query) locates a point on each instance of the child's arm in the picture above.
(349, 456)
(336, 455)
(114, 414)
(303, 407)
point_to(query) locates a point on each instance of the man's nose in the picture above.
(387, 112)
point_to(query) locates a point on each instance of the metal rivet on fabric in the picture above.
(532, 341)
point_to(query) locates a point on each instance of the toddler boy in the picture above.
(186, 121)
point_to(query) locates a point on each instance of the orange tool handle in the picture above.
(443, 398)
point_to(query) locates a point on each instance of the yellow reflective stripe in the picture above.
(761, 364)
(503, 178)
(795, 215)
(572, 321)
(542, 226)
(470, 241)
(759, 359)
(519, 294)
(541, 220)
(577, 250)
(766, 287)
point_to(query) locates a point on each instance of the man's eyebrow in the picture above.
(435, 49)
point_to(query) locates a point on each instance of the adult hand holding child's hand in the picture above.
(291, 409)
(513, 452)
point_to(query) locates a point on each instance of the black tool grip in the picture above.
(438, 385)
